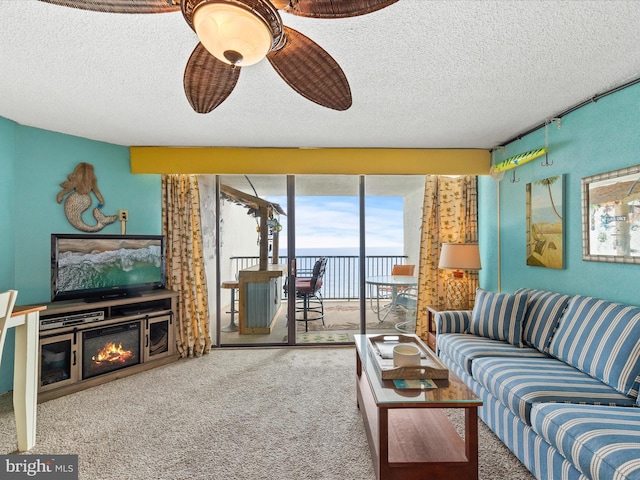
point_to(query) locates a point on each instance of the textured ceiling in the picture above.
(423, 74)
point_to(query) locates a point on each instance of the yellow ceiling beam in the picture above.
(320, 161)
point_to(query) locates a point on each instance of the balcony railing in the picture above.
(342, 275)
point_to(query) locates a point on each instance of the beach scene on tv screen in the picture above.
(87, 264)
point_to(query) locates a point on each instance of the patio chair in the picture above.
(404, 270)
(309, 305)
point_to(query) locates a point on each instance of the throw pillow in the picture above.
(544, 310)
(499, 316)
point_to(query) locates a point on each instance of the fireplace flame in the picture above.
(111, 353)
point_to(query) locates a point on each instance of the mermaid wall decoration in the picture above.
(79, 186)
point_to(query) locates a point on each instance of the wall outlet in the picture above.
(123, 215)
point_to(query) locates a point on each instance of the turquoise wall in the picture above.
(7, 262)
(596, 138)
(7, 157)
(39, 161)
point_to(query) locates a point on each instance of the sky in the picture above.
(332, 222)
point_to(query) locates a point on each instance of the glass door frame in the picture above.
(291, 259)
(218, 282)
(291, 250)
(362, 264)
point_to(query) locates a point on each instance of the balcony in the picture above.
(341, 295)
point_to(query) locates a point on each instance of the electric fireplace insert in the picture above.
(110, 348)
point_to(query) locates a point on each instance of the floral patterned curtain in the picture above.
(185, 262)
(449, 215)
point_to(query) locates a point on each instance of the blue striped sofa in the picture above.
(559, 378)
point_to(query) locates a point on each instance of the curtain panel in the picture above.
(181, 225)
(449, 215)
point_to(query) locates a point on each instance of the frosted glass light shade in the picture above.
(232, 34)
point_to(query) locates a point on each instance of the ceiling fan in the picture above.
(238, 33)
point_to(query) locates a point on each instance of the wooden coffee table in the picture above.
(410, 437)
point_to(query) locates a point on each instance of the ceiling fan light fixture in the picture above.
(232, 34)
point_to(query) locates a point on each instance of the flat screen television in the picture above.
(94, 266)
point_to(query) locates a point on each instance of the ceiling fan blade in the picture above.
(121, 6)
(208, 81)
(311, 71)
(334, 8)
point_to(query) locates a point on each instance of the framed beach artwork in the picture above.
(545, 222)
(611, 216)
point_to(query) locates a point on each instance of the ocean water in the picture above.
(341, 278)
(83, 271)
(336, 252)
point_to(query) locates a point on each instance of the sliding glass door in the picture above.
(327, 245)
(393, 216)
(252, 273)
(318, 249)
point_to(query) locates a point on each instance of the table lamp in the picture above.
(458, 257)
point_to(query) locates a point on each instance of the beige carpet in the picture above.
(242, 414)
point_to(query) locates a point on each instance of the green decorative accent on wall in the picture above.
(518, 160)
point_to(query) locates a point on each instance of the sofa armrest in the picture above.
(452, 321)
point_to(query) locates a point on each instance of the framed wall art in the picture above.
(611, 216)
(545, 222)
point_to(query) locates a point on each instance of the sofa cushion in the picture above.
(498, 316)
(452, 321)
(521, 382)
(544, 310)
(601, 338)
(602, 442)
(464, 348)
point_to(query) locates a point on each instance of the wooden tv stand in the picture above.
(70, 330)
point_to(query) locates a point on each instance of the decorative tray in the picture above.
(380, 349)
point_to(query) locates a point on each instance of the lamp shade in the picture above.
(232, 34)
(460, 256)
